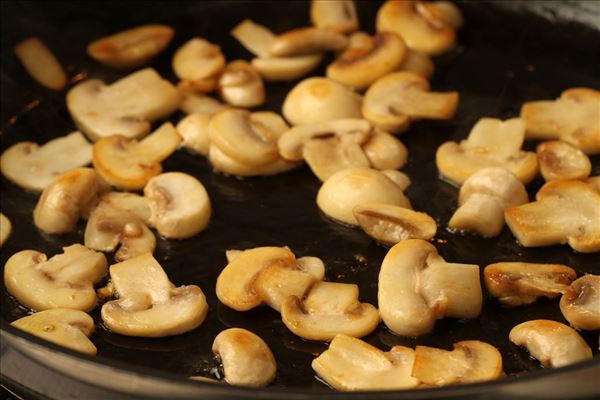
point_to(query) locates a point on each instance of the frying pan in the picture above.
(507, 53)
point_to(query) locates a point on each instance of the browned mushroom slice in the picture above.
(241, 85)
(580, 304)
(327, 155)
(197, 60)
(561, 160)
(303, 41)
(339, 15)
(5, 228)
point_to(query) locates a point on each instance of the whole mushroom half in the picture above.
(580, 303)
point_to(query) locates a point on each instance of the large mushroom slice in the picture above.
(491, 143)
(33, 167)
(5, 228)
(241, 85)
(328, 309)
(416, 287)
(562, 160)
(198, 60)
(338, 16)
(125, 107)
(350, 364)
(63, 281)
(580, 304)
(565, 211)
(65, 327)
(309, 40)
(149, 305)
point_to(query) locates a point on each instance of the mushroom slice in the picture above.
(580, 304)
(179, 204)
(359, 67)
(129, 164)
(385, 151)
(62, 326)
(200, 86)
(41, 64)
(491, 143)
(256, 38)
(198, 59)
(337, 16)
(327, 155)
(594, 182)
(149, 305)
(519, 283)
(5, 229)
(483, 198)
(126, 107)
(418, 63)
(223, 163)
(416, 287)
(131, 48)
(247, 359)
(34, 167)
(450, 12)
(309, 40)
(64, 281)
(193, 130)
(552, 343)
(197, 103)
(350, 364)
(241, 85)
(397, 98)
(319, 99)
(346, 189)
(565, 211)
(421, 24)
(390, 224)
(561, 160)
(328, 309)
(573, 118)
(398, 177)
(470, 361)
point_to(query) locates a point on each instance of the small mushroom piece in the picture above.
(385, 151)
(241, 85)
(247, 359)
(33, 167)
(256, 38)
(62, 326)
(149, 305)
(198, 59)
(223, 163)
(450, 12)
(125, 107)
(309, 40)
(416, 287)
(580, 304)
(470, 361)
(390, 224)
(200, 86)
(329, 308)
(327, 155)
(483, 198)
(129, 164)
(64, 281)
(418, 63)
(5, 229)
(552, 343)
(561, 160)
(393, 100)
(565, 211)
(343, 191)
(193, 130)
(131, 48)
(41, 63)
(319, 99)
(519, 283)
(338, 15)
(350, 364)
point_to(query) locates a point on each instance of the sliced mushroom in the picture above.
(5, 229)
(350, 364)
(416, 287)
(223, 163)
(241, 85)
(247, 359)
(580, 304)
(470, 361)
(256, 38)
(338, 16)
(398, 177)
(197, 103)
(450, 12)
(390, 224)
(491, 143)
(565, 211)
(328, 309)
(129, 164)
(64, 281)
(200, 86)
(34, 167)
(309, 40)
(594, 182)
(519, 283)
(193, 130)
(41, 63)
(385, 151)
(561, 160)
(552, 343)
(149, 305)
(197, 60)
(418, 63)
(131, 48)
(126, 107)
(62, 326)
(397, 98)
(330, 154)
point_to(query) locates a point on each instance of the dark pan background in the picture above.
(503, 58)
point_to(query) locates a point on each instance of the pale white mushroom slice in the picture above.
(520, 283)
(131, 48)
(565, 211)
(198, 103)
(552, 343)
(393, 100)
(309, 40)
(562, 160)
(198, 59)
(246, 358)
(5, 228)
(491, 143)
(418, 63)
(336, 15)
(580, 304)
(328, 309)
(193, 130)
(149, 305)
(63, 281)
(350, 364)
(41, 63)
(125, 107)
(33, 167)
(385, 151)
(241, 85)
(416, 287)
(62, 326)
(470, 361)
(129, 164)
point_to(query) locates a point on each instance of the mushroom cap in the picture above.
(338, 16)
(580, 304)
(385, 151)
(198, 59)
(308, 40)
(562, 160)
(5, 229)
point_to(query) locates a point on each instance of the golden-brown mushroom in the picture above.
(580, 304)
(562, 160)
